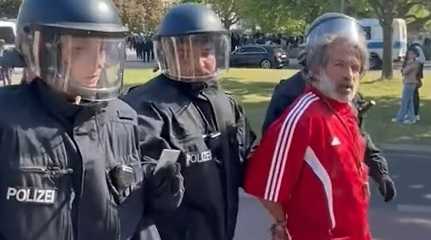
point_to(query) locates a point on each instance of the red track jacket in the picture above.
(310, 160)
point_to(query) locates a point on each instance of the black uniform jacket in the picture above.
(210, 129)
(60, 165)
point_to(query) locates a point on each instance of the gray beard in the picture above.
(327, 87)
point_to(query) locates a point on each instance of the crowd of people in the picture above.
(165, 160)
(142, 44)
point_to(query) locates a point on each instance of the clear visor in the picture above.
(89, 67)
(196, 57)
(340, 27)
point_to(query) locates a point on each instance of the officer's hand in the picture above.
(165, 188)
(387, 188)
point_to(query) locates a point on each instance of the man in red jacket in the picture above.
(309, 170)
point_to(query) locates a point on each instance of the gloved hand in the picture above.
(165, 188)
(387, 188)
(379, 171)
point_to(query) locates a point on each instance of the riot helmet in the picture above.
(191, 44)
(76, 46)
(325, 29)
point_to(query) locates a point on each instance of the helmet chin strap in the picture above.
(77, 100)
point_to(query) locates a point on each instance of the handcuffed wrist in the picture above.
(279, 224)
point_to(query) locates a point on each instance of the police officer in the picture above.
(288, 90)
(184, 108)
(70, 161)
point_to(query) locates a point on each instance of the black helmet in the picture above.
(75, 46)
(191, 43)
(189, 19)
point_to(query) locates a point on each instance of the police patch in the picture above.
(31, 195)
(200, 157)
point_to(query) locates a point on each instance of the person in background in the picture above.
(5, 71)
(417, 48)
(409, 70)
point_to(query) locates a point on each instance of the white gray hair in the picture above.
(318, 54)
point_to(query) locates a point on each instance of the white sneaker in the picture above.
(409, 121)
(394, 120)
(418, 117)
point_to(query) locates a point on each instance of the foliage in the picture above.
(272, 16)
(416, 13)
(141, 15)
(229, 11)
(254, 88)
(154, 12)
(9, 8)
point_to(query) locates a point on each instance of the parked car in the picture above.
(263, 56)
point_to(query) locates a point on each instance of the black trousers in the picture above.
(416, 101)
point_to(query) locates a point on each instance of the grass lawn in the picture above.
(254, 88)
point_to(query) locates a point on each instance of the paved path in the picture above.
(408, 217)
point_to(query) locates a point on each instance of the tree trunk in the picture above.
(387, 71)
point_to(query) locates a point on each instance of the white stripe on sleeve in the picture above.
(282, 147)
(318, 169)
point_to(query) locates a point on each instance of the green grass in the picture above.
(254, 88)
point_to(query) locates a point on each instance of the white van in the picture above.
(374, 36)
(8, 32)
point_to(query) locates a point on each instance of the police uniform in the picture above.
(287, 91)
(71, 165)
(58, 165)
(210, 129)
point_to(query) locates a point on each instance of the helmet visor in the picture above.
(86, 66)
(340, 27)
(195, 57)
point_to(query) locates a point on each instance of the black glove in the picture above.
(379, 173)
(165, 188)
(387, 188)
(379, 170)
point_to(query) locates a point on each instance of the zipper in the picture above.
(54, 171)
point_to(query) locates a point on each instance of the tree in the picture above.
(9, 8)
(385, 11)
(292, 16)
(131, 14)
(229, 11)
(153, 13)
(417, 13)
(141, 15)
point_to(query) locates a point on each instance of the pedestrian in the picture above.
(288, 90)
(409, 70)
(417, 48)
(71, 162)
(186, 109)
(5, 71)
(308, 170)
